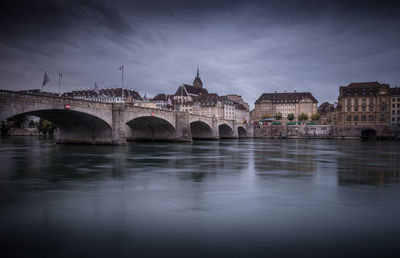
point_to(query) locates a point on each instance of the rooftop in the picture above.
(290, 97)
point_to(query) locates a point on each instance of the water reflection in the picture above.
(207, 199)
(285, 158)
(368, 163)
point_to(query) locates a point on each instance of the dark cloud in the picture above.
(244, 47)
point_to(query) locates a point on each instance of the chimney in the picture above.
(295, 91)
(275, 91)
(285, 91)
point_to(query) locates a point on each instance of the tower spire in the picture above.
(197, 71)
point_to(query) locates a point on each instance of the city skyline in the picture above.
(241, 48)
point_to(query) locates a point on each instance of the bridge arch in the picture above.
(200, 130)
(75, 126)
(151, 128)
(225, 131)
(242, 132)
(369, 133)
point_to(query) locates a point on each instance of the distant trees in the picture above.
(17, 121)
(315, 117)
(278, 116)
(290, 117)
(302, 117)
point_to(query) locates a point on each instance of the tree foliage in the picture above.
(290, 117)
(302, 117)
(278, 116)
(266, 116)
(315, 117)
(46, 127)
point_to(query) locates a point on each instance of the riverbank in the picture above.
(24, 132)
(325, 132)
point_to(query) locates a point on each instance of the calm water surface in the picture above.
(231, 198)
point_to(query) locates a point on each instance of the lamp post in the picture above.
(59, 83)
(121, 68)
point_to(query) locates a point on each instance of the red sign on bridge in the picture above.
(67, 106)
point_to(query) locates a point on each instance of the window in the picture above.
(356, 118)
(348, 118)
(356, 101)
(382, 117)
(349, 102)
(371, 101)
(398, 105)
(364, 109)
(393, 105)
(356, 109)
(363, 118)
(393, 112)
(371, 108)
(370, 118)
(364, 101)
(348, 109)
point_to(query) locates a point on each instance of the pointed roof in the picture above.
(197, 81)
(186, 90)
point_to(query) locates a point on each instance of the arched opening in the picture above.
(369, 134)
(200, 130)
(242, 132)
(151, 128)
(76, 127)
(225, 131)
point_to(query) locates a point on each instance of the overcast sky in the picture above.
(242, 47)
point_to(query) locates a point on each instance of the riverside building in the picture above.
(395, 106)
(269, 104)
(364, 103)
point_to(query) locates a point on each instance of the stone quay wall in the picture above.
(323, 131)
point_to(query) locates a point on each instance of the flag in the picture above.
(169, 102)
(45, 79)
(96, 88)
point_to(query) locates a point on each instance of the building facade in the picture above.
(269, 104)
(395, 106)
(238, 99)
(364, 103)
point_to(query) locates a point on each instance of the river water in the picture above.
(228, 198)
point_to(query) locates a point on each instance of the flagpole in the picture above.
(122, 93)
(59, 83)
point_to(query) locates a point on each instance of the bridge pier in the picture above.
(183, 133)
(118, 125)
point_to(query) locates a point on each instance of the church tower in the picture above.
(197, 81)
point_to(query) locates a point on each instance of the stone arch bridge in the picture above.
(89, 122)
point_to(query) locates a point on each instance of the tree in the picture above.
(315, 117)
(290, 117)
(46, 127)
(266, 116)
(4, 129)
(278, 116)
(302, 117)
